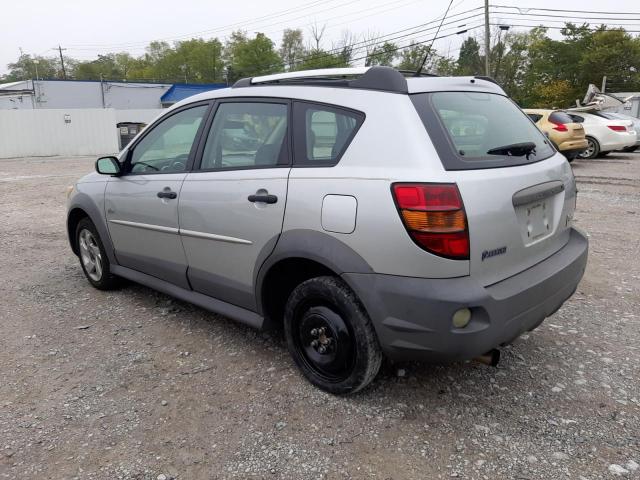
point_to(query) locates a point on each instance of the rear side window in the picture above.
(535, 117)
(577, 118)
(560, 118)
(322, 133)
(473, 130)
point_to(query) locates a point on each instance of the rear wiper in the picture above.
(515, 149)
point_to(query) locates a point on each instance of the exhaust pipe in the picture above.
(491, 358)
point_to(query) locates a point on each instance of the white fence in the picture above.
(138, 115)
(30, 133)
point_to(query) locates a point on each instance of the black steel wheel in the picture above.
(330, 336)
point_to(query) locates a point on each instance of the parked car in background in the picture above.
(604, 135)
(622, 116)
(567, 136)
(426, 217)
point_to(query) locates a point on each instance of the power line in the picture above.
(368, 44)
(144, 46)
(555, 28)
(614, 25)
(434, 38)
(399, 31)
(230, 26)
(548, 15)
(569, 11)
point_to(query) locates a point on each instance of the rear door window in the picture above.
(473, 130)
(322, 133)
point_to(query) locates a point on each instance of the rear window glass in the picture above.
(560, 118)
(480, 130)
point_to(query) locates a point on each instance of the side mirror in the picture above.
(108, 166)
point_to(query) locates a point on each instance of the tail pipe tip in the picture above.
(491, 358)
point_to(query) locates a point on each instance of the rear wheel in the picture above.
(93, 257)
(330, 336)
(592, 150)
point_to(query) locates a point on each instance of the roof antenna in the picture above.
(426, 55)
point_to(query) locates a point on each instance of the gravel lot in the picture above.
(134, 385)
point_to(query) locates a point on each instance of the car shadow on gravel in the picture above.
(453, 383)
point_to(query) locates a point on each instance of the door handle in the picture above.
(168, 194)
(262, 198)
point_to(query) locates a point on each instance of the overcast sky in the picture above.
(88, 27)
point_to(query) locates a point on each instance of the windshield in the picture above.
(482, 130)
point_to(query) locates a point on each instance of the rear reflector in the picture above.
(617, 128)
(560, 127)
(434, 216)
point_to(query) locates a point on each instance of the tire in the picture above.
(592, 150)
(93, 257)
(323, 313)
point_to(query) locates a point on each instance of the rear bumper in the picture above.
(412, 316)
(573, 146)
(618, 143)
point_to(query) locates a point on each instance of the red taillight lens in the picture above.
(617, 128)
(560, 127)
(434, 216)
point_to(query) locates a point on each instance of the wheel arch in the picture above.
(84, 207)
(298, 256)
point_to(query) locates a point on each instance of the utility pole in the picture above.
(64, 72)
(604, 84)
(487, 47)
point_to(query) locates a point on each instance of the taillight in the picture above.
(617, 128)
(434, 216)
(560, 127)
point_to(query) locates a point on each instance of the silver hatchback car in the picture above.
(368, 214)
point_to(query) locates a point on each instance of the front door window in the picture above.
(166, 148)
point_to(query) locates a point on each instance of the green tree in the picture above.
(384, 54)
(413, 55)
(105, 66)
(25, 68)
(200, 60)
(250, 57)
(292, 48)
(469, 60)
(322, 59)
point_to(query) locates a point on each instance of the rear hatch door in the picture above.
(518, 192)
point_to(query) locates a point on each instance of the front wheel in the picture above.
(330, 336)
(592, 150)
(93, 257)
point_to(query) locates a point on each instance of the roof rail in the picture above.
(413, 73)
(385, 79)
(487, 79)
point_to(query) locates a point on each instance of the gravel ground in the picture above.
(134, 385)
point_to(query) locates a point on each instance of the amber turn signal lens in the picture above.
(434, 216)
(435, 222)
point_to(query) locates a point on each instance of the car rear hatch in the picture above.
(518, 194)
(563, 123)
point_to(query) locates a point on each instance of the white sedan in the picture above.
(603, 134)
